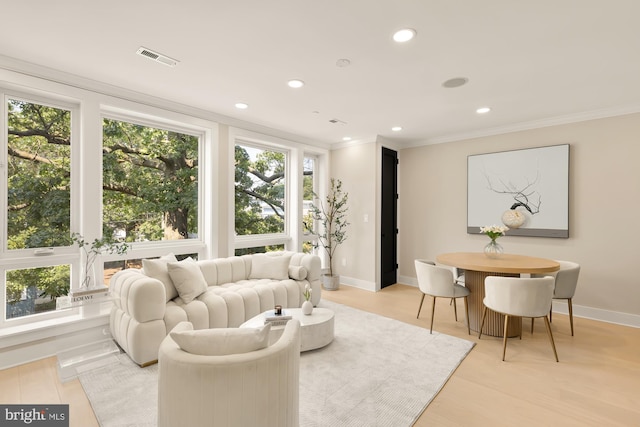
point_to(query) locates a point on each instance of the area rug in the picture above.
(376, 372)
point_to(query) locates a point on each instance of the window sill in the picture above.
(84, 318)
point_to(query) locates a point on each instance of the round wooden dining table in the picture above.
(477, 266)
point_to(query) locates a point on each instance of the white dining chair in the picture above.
(459, 277)
(566, 281)
(439, 282)
(522, 297)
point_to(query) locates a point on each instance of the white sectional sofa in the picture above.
(218, 293)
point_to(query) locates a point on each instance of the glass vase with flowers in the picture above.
(493, 249)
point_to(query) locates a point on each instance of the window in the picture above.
(150, 182)
(25, 298)
(37, 205)
(259, 250)
(112, 267)
(308, 191)
(260, 191)
(38, 175)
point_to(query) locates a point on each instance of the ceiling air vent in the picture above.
(158, 57)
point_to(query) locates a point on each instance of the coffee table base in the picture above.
(316, 329)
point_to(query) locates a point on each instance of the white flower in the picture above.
(307, 292)
(494, 231)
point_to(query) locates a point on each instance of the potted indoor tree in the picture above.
(331, 217)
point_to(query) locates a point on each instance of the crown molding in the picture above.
(83, 83)
(535, 124)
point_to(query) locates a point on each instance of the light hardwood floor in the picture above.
(596, 383)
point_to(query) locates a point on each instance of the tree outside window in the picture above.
(260, 191)
(38, 202)
(150, 182)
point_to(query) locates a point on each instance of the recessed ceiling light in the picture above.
(396, 128)
(455, 82)
(295, 83)
(241, 105)
(483, 110)
(404, 35)
(346, 138)
(343, 62)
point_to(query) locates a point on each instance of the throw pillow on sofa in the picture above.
(157, 268)
(269, 267)
(297, 272)
(222, 341)
(187, 278)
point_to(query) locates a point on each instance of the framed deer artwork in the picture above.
(527, 190)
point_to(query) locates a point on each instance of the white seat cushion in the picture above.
(222, 341)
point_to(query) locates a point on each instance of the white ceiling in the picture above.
(533, 62)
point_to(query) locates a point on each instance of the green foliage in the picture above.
(95, 248)
(258, 183)
(150, 182)
(332, 218)
(50, 281)
(38, 175)
(150, 187)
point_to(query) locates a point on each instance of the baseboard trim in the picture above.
(358, 283)
(619, 318)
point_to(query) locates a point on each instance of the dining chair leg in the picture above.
(550, 312)
(466, 309)
(420, 308)
(532, 320)
(455, 310)
(553, 345)
(484, 315)
(433, 312)
(569, 303)
(504, 336)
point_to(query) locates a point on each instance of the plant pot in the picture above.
(331, 283)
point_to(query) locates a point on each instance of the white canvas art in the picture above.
(534, 182)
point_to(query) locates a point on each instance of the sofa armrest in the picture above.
(310, 262)
(139, 296)
(313, 265)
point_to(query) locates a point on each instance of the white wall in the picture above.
(604, 202)
(357, 167)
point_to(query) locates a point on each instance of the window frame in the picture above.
(294, 169)
(18, 259)
(257, 240)
(304, 237)
(174, 122)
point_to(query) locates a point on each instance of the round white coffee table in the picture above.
(316, 329)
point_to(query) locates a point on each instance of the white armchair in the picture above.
(521, 297)
(566, 281)
(440, 282)
(258, 388)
